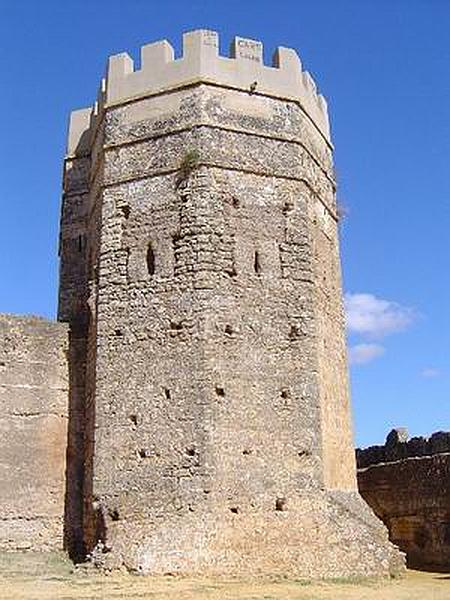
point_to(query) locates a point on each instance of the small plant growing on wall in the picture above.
(188, 164)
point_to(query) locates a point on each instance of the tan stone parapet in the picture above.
(244, 70)
(160, 71)
(83, 123)
(79, 124)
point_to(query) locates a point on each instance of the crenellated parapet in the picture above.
(200, 62)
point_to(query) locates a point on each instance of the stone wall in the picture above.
(407, 484)
(33, 432)
(216, 421)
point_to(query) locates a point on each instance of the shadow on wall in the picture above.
(75, 276)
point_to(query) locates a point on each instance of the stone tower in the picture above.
(211, 427)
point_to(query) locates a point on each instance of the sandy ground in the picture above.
(35, 577)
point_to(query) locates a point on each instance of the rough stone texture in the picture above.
(200, 270)
(244, 69)
(33, 432)
(407, 484)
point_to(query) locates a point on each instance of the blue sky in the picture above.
(384, 67)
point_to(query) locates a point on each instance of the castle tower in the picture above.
(200, 273)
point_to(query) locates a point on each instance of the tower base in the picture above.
(317, 535)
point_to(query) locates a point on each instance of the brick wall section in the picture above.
(33, 432)
(407, 484)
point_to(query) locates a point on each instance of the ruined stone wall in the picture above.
(407, 484)
(208, 446)
(33, 432)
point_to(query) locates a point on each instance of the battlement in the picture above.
(244, 69)
(398, 446)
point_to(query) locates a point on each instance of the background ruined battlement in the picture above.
(399, 446)
(407, 484)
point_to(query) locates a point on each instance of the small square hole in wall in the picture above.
(288, 206)
(228, 330)
(281, 504)
(167, 393)
(234, 510)
(176, 326)
(294, 332)
(304, 453)
(114, 514)
(220, 391)
(125, 210)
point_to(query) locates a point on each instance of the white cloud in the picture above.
(374, 317)
(430, 373)
(360, 354)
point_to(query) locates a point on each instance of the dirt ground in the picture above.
(35, 577)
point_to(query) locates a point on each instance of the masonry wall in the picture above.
(33, 432)
(220, 333)
(216, 434)
(339, 470)
(407, 484)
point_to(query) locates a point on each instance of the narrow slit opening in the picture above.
(280, 504)
(257, 263)
(150, 260)
(114, 514)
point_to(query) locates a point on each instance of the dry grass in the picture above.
(38, 577)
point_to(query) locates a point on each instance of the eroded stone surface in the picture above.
(33, 432)
(200, 272)
(407, 484)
